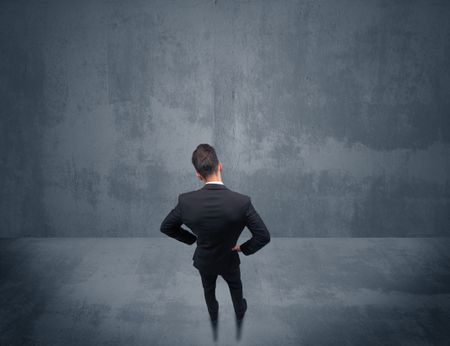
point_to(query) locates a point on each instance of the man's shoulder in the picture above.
(230, 193)
(186, 194)
(240, 195)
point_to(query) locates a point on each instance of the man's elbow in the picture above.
(163, 229)
(266, 239)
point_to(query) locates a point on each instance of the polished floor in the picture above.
(145, 291)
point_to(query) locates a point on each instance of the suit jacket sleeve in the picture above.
(260, 234)
(171, 226)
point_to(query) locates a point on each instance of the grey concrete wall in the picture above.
(332, 115)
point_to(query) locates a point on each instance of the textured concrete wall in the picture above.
(333, 115)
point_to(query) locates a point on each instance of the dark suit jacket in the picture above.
(217, 216)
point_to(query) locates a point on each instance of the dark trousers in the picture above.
(233, 280)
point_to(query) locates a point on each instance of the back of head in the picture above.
(204, 159)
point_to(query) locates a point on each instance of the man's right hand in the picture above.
(236, 248)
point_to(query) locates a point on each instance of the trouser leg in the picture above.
(233, 280)
(209, 290)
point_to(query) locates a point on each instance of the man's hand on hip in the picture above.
(236, 248)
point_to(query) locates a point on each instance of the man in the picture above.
(217, 216)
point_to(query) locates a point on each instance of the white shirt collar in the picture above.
(214, 182)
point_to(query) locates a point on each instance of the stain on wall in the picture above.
(333, 115)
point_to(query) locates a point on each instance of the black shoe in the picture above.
(213, 314)
(214, 317)
(240, 315)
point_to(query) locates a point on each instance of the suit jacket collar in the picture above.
(214, 187)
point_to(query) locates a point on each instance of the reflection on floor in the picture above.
(145, 291)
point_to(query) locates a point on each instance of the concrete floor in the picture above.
(145, 291)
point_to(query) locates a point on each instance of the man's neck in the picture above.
(214, 179)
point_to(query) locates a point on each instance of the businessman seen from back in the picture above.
(217, 216)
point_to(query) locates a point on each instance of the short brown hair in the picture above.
(204, 159)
